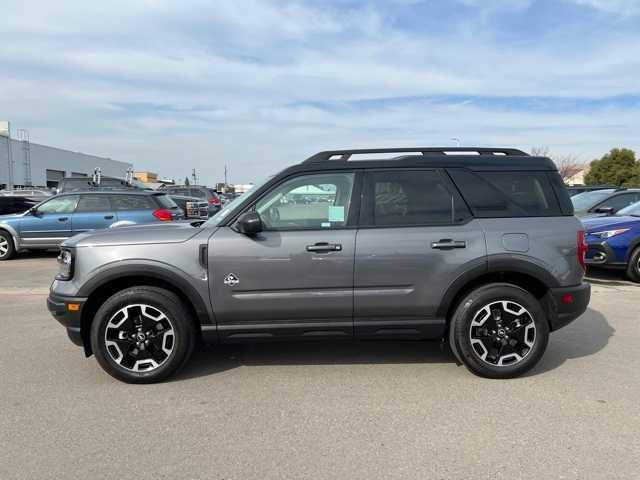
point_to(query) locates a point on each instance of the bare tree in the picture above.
(567, 165)
(541, 151)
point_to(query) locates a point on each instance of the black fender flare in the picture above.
(160, 271)
(495, 264)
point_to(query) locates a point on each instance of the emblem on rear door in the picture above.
(231, 280)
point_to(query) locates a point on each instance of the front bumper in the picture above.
(567, 304)
(70, 319)
(601, 254)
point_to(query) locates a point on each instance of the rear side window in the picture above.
(507, 193)
(179, 191)
(132, 202)
(93, 203)
(198, 193)
(165, 201)
(408, 198)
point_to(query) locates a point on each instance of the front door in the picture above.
(93, 212)
(416, 238)
(50, 224)
(295, 278)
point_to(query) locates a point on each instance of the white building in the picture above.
(43, 166)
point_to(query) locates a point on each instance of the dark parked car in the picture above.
(192, 207)
(203, 193)
(10, 205)
(600, 203)
(481, 251)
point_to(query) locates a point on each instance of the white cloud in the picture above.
(620, 7)
(239, 80)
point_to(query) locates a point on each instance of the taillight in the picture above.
(163, 215)
(214, 201)
(582, 249)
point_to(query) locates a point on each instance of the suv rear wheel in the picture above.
(142, 335)
(499, 331)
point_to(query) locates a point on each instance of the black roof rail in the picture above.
(344, 155)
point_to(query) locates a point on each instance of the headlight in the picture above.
(609, 233)
(65, 265)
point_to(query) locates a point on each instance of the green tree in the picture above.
(186, 181)
(618, 167)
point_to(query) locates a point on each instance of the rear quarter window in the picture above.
(507, 193)
(132, 202)
(165, 201)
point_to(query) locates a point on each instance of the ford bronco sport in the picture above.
(476, 247)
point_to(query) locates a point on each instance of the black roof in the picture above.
(472, 158)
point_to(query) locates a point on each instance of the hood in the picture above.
(609, 223)
(151, 233)
(11, 216)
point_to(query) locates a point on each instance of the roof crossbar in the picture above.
(345, 155)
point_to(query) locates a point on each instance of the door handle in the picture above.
(447, 244)
(63, 219)
(108, 217)
(324, 247)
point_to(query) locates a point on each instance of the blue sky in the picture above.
(174, 85)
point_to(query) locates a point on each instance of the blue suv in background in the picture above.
(614, 241)
(51, 222)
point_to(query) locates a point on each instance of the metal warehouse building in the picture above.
(43, 166)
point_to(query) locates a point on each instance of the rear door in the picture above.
(416, 237)
(50, 224)
(93, 212)
(295, 278)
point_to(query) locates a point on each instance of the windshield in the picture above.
(231, 206)
(586, 200)
(632, 210)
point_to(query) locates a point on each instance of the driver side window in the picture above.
(308, 202)
(66, 204)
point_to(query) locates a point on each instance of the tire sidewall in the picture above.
(466, 312)
(11, 248)
(165, 301)
(633, 268)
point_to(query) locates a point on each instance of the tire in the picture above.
(633, 267)
(499, 330)
(7, 248)
(142, 335)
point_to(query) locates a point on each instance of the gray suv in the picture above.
(478, 248)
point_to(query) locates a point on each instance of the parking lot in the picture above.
(326, 410)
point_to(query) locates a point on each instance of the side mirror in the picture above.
(33, 211)
(249, 223)
(606, 210)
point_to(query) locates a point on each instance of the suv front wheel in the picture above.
(142, 335)
(499, 331)
(7, 250)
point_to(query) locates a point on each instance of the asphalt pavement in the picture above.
(374, 410)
